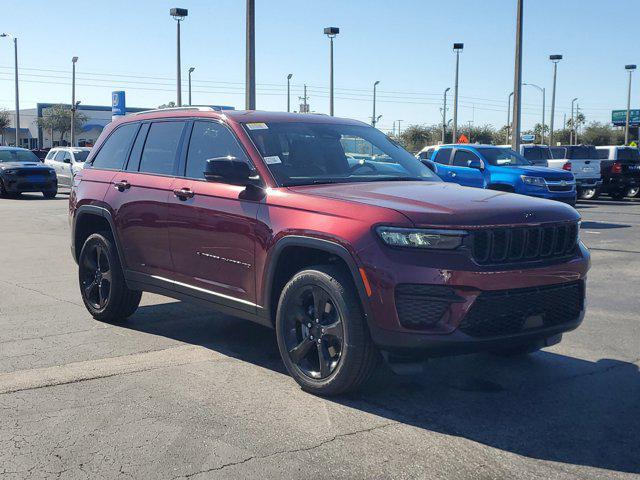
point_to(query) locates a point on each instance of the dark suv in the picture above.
(326, 230)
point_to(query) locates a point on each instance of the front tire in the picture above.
(588, 193)
(322, 333)
(49, 194)
(102, 285)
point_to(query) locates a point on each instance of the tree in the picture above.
(58, 119)
(167, 105)
(597, 133)
(415, 137)
(5, 121)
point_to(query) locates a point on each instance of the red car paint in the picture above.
(164, 237)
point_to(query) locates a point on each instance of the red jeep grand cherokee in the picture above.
(326, 230)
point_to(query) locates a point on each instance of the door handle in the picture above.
(184, 193)
(122, 185)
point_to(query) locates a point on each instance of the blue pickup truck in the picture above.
(498, 168)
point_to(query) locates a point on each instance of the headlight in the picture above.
(421, 238)
(535, 181)
(9, 172)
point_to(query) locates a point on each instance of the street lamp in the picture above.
(190, 72)
(73, 101)
(15, 57)
(250, 82)
(573, 123)
(444, 114)
(178, 14)
(555, 59)
(544, 99)
(374, 119)
(289, 92)
(331, 32)
(517, 81)
(630, 69)
(457, 47)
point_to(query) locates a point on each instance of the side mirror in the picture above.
(228, 170)
(66, 160)
(477, 164)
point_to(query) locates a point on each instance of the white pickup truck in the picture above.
(583, 161)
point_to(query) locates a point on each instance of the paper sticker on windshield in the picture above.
(257, 126)
(271, 160)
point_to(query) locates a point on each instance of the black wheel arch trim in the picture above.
(328, 246)
(96, 211)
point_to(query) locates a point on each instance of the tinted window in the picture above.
(582, 152)
(537, 155)
(426, 155)
(628, 154)
(558, 152)
(443, 156)
(503, 157)
(114, 150)
(11, 155)
(63, 155)
(461, 158)
(161, 148)
(80, 156)
(603, 153)
(210, 140)
(136, 151)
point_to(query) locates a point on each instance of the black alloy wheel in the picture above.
(95, 276)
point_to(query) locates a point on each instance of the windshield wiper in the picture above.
(393, 179)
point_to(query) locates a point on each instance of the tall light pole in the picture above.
(509, 118)
(630, 69)
(190, 72)
(250, 87)
(576, 127)
(544, 99)
(289, 92)
(573, 123)
(73, 101)
(517, 81)
(444, 114)
(373, 117)
(178, 15)
(399, 121)
(15, 58)
(555, 59)
(457, 47)
(331, 32)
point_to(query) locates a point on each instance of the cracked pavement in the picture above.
(180, 391)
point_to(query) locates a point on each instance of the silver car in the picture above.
(66, 161)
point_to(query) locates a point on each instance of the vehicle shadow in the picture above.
(589, 225)
(546, 406)
(31, 196)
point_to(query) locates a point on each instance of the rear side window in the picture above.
(603, 153)
(114, 151)
(628, 154)
(443, 156)
(426, 155)
(558, 152)
(161, 148)
(210, 140)
(50, 155)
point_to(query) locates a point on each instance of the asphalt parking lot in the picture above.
(181, 392)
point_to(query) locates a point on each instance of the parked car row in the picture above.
(22, 171)
(612, 170)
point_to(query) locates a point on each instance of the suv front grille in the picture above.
(524, 244)
(422, 306)
(505, 312)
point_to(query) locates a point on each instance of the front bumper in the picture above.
(582, 183)
(18, 184)
(446, 337)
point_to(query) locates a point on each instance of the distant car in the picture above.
(620, 169)
(538, 155)
(584, 163)
(21, 171)
(67, 161)
(500, 168)
(40, 153)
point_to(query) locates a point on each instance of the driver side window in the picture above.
(462, 157)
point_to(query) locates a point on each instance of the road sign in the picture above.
(118, 108)
(619, 117)
(527, 138)
(463, 139)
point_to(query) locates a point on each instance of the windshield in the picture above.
(303, 153)
(586, 152)
(503, 157)
(80, 155)
(17, 156)
(629, 154)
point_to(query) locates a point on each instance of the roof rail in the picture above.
(198, 108)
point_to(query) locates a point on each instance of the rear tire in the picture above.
(337, 338)
(3, 191)
(633, 192)
(102, 285)
(588, 193)
(49, 194)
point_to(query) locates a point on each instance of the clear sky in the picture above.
(406, 44)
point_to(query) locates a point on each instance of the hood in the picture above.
(447, 204)
(544, 172)
(12, 165)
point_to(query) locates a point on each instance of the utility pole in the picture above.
(15, 58)
(304, 108)
(73, 101)
(373, 117)
(444, 115)
(331, 32)
(457, 47)
(178, 14)
(573, 124)
(509, 118)
(289, 92)
(630, 69)
(394, 128)
(399, 121)
(555, 59)
(517, 80)
(576, 121)
(250, 85)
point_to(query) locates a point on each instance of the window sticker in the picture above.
(257, 126)
(272, 160)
